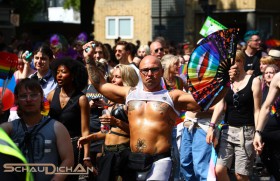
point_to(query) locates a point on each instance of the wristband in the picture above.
(86, 159)
(212, 125)
(259, 132)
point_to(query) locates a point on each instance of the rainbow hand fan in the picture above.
(209, 64)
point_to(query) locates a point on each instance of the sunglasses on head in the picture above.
(158, 49)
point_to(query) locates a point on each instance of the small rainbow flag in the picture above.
(180, 118)
(273, 110)
(183, 69)
(46, 110)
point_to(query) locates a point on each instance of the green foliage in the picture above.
(75, 4)
(27, 8)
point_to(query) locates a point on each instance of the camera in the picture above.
(88, 48)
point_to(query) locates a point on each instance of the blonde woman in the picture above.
(265, 61)
(171, 65)
(116, 144)
(242, 105)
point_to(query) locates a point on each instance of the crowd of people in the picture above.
(143, 90)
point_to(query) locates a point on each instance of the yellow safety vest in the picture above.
(11, 149)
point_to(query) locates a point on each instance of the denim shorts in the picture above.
(237, 142)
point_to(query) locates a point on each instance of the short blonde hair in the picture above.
(128, 75)
(146, 48)
(267, 60)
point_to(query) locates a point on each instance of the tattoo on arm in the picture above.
(94, 74)
(141, 145)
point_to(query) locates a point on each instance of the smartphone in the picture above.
(95, 98)
(28, 56)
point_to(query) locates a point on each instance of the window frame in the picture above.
(117, 22)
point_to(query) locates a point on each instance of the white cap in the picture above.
(274, 53)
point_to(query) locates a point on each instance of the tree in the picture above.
(27, 9)
(75, 4)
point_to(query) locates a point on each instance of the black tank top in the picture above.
(243, 114)
(273, 123)
(70, 115)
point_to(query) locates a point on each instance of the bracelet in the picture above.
(259, 132)
(212, 125)
(86, 159)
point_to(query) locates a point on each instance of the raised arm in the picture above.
(111, 91)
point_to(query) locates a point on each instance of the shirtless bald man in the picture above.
(152, 112)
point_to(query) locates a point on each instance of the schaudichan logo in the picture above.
(47, 168)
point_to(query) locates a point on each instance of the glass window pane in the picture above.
(124, 27)
(111, 27)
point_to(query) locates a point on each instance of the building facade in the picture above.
(180, 20)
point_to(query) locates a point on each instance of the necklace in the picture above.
(237, 86)
(64, 98)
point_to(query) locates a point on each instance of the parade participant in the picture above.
(266, 137)
(69, 105)
(43, 56)
(242, 105)
(116, 145)
(157, 49)
(151, 113)
(252, 52)
(41, 139)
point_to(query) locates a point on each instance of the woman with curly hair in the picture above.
(68, 103)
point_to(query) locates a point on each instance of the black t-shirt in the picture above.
(253, 63)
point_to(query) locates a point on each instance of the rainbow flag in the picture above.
(212, 165)
(183, 69)
(180, 118)
(46, 107)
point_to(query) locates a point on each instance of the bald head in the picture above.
(151, 73)
(149, 59)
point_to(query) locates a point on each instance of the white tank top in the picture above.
(159, 96)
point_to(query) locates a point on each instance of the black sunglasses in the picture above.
(154, 70)
(159, 49)
(235, 100)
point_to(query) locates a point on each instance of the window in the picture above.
(120, 26)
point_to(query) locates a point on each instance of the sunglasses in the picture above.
(146, 71)
(235, 100)
(159, 49)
